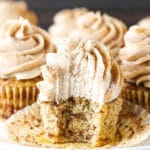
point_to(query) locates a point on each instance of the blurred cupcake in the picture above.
(64, 23)
(135, 63)
(145, 22)
(89, 25)
(15, 9)
(22, 52)
(104, 28)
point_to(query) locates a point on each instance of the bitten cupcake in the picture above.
(104, 28)
(135, 63)
(14, 10)
(64, 23)
(78, 96)
(22, 51)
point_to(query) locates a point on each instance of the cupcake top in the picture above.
(104, 28)
(135, 56)
(67, 15)
(64, 23)
(80, 69)
(22, 49)
(14, 9)
(145, 22)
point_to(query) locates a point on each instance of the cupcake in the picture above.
(22, 51)
(14, 10)
(78, 96)
(145, 22)
(104, 28)
(135, 63)
(64, 23)
(91, 26)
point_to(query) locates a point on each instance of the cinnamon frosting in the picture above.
(145, 22)
(23, 47)
(80, 69)
(135, 56)
(64, 23)
(14, 10)
(104, 28)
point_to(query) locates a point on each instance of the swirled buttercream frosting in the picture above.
(145, 22)
(80, 69)
(104, 28)
(64, 23)
(23, 47)
(135, 56)
(14, 10)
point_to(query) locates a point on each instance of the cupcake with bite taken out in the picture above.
(79, 94)
(23, 47)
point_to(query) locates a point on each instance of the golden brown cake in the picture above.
(23, 47)
(14, 10)
(25, 125)
(135, 63)
(92, 26)
(78, 96)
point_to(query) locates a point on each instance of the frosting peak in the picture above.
(64, 23)
(22, 49)
(135, 56)
(80, 69)
(13, 10)
(145, 22)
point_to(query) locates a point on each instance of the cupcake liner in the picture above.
(137, 95)
(133, 128)
(14, 97)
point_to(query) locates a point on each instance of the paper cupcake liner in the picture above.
(137, 95)
(16, 96)
(133, 128)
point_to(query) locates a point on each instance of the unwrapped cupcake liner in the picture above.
(13, 98)
(133, 128)
(137, 95)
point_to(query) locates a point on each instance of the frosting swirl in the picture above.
(104, 28)
(13, 10)
(145, 22)
(64, 23)
(80, 69)
(22, 49)
(135, 56)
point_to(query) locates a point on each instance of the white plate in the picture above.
(7, 144)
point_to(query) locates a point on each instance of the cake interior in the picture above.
(80, 120)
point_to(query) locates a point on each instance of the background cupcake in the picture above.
(89, 25)
(104, 28)
(22, 51)
(135, 59)
(64, 23)
(15, 9)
